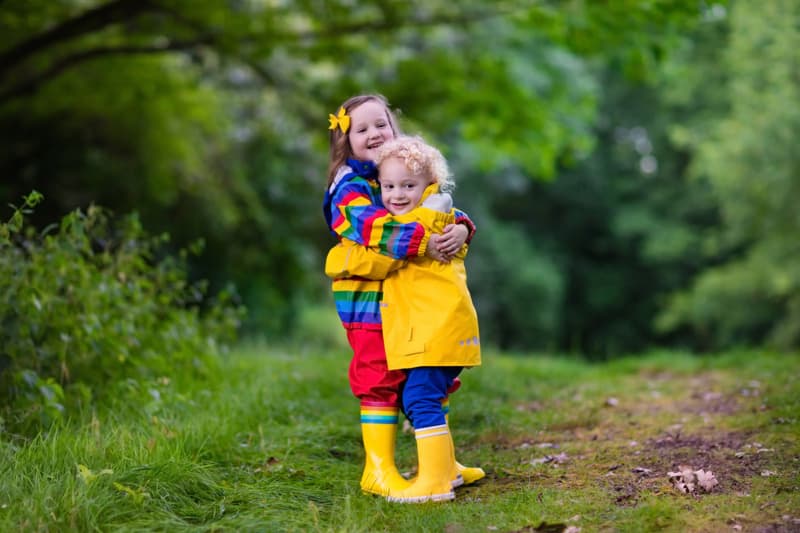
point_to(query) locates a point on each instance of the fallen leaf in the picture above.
(706, 480)
(687, 480)
(560, 458)
(137, 495)
(555, 459)
(88, 476)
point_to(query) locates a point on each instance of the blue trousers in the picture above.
(425, 388)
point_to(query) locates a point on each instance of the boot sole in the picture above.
(422, 499)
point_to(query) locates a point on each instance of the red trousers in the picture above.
(370, 378)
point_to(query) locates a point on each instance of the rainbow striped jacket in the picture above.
(353, 210)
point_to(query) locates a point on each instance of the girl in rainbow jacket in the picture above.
(354, 213)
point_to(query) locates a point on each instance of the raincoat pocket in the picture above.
(400, 333)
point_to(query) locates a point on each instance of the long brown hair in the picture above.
(340, 149)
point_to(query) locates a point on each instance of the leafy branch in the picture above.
(85, 23)
(30, 84)
(14, 224)
(120, 11)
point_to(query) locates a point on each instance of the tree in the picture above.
(747, 155)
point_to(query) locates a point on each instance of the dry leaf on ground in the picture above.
(691, 481)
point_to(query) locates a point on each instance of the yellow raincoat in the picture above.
(427, 311)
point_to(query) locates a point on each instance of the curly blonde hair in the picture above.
(420, 158)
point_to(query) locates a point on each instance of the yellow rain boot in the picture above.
(432, 483)
(379, 432)
(462, 475)
(470, 474)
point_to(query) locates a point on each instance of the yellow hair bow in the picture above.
(341, 119)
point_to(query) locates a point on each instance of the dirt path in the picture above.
(659, 435)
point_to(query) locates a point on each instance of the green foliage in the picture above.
(522, 100)
(746, 153)
(89, 310)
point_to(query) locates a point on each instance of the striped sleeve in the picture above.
(356, 216)
(463, 218)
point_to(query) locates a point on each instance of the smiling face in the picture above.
(401, 190)
(369, 129)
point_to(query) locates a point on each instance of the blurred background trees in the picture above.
(628, 164)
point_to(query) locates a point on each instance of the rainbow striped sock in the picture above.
(446, 406)
(379, 415)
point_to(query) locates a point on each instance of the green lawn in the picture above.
(273, 444)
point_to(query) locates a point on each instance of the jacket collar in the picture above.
(365, 169)
(433, 188)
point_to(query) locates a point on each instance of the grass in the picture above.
(273, 444)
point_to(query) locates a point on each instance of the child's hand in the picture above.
(433, 249)
(453, 238)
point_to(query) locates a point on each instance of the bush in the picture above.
(87, 305)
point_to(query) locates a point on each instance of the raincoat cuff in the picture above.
(423, 244)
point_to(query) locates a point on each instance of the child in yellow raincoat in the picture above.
(430, 323)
